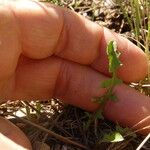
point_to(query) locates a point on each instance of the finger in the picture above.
(130, 56)
(131, 110)
(52, 77)
(51, 30)
(11, 137)
(10, 48)
(77, 84)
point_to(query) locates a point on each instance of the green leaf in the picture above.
(109, 84)
(106, 83)
(113, 137)
(113, 56)
(117, 81)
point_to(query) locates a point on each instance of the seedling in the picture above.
(118, 135)
(114, 64)
(109, 84)
(113, 137)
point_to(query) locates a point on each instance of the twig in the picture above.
(144, 141)
(51, 133)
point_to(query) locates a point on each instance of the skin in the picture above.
(15, 140)
(47, 51)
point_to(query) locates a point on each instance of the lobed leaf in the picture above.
(113, 137)
(113, 56)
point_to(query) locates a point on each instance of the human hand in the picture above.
(53, 52)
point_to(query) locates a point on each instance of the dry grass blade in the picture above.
(51, 133)
(141, 122)
(144, 141)
(28, 104)
(138, 130)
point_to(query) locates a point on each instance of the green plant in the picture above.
(109, 84)
(118, 135)
(112, 137)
